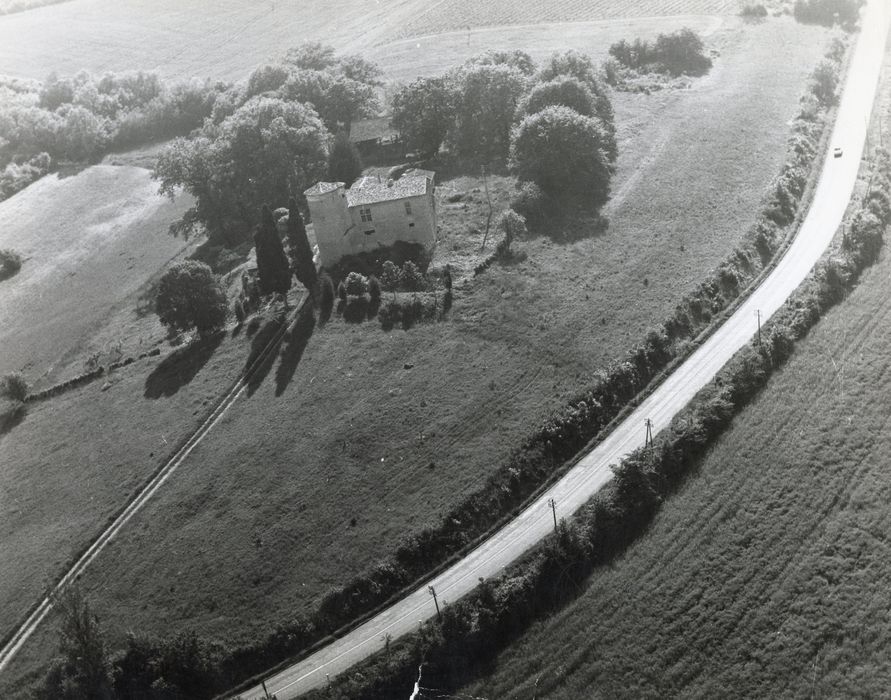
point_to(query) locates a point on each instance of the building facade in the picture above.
(372, 213)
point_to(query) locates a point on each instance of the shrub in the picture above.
(341, 291)
(529, 202)
(374, 288)
(411, 279)
(190, 296)
(391, 276)
(14, 386)
(355, 284)
(10, 263)
(679, 53)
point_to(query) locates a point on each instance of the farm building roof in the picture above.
(369, 190)
(372, 130)
(322, 188)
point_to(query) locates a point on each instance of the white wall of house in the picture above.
(340, 230)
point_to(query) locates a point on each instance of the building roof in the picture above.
(419, 172)
(322, 188)
(372, 130)
(369, 190)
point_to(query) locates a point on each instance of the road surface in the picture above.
(831, 198)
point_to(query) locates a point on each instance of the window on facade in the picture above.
(408, 208)
(365, 213)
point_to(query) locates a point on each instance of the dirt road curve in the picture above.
(592, 472)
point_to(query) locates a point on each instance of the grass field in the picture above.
(229, 39)
(360, 436)
(92, 243)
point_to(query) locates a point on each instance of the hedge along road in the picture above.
(42, 609)
(831, 197)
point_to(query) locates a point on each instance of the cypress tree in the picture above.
(344, 163)
(301, 254)
(273, 272)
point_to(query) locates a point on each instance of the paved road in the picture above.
(593, 471)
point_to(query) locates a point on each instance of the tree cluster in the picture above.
(679, 53)
(81, 117)
(269, 138)
(845, 13)
(499, 106)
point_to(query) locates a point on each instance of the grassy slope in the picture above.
(766, 575)
(164, 35)
(92, 243)
(260, 524)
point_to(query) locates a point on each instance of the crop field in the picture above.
(92, 242)
(227, 39)
(767, 574)
(357, 437)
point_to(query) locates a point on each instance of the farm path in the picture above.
(836, 183)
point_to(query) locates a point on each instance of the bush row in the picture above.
(474, 629)
(88, 376)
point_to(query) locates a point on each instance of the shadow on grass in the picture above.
(11, 414)
(572, 227)
(180, 367)
(262, 363)
(296, 341)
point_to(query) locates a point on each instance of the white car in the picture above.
(837, 152)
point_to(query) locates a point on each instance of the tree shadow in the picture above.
(257, 362)
(180, 367)
(573, 226)
(297, 339)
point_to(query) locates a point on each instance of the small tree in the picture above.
(190, 296)
(356, 284)
(825, 82)
(273, 271)
(412, 278)
(344, 163)
(301, 253)
(84, 671)
(391, 276)
(512, 225)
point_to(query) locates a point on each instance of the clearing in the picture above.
(93, 243)
(303, 486)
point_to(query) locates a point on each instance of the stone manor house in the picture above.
(372, 213)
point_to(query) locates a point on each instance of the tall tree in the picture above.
(564, 153)
(423, 113)
(344, 163)
(268, 148)
(273, 271)
(301, 252)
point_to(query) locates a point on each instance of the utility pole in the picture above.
(552, 504)
(435, 601)
(648, 440)
(758, 315)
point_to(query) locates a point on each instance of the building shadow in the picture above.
(296, 341)
(180, 367)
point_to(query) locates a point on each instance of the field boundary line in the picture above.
(14, 640)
